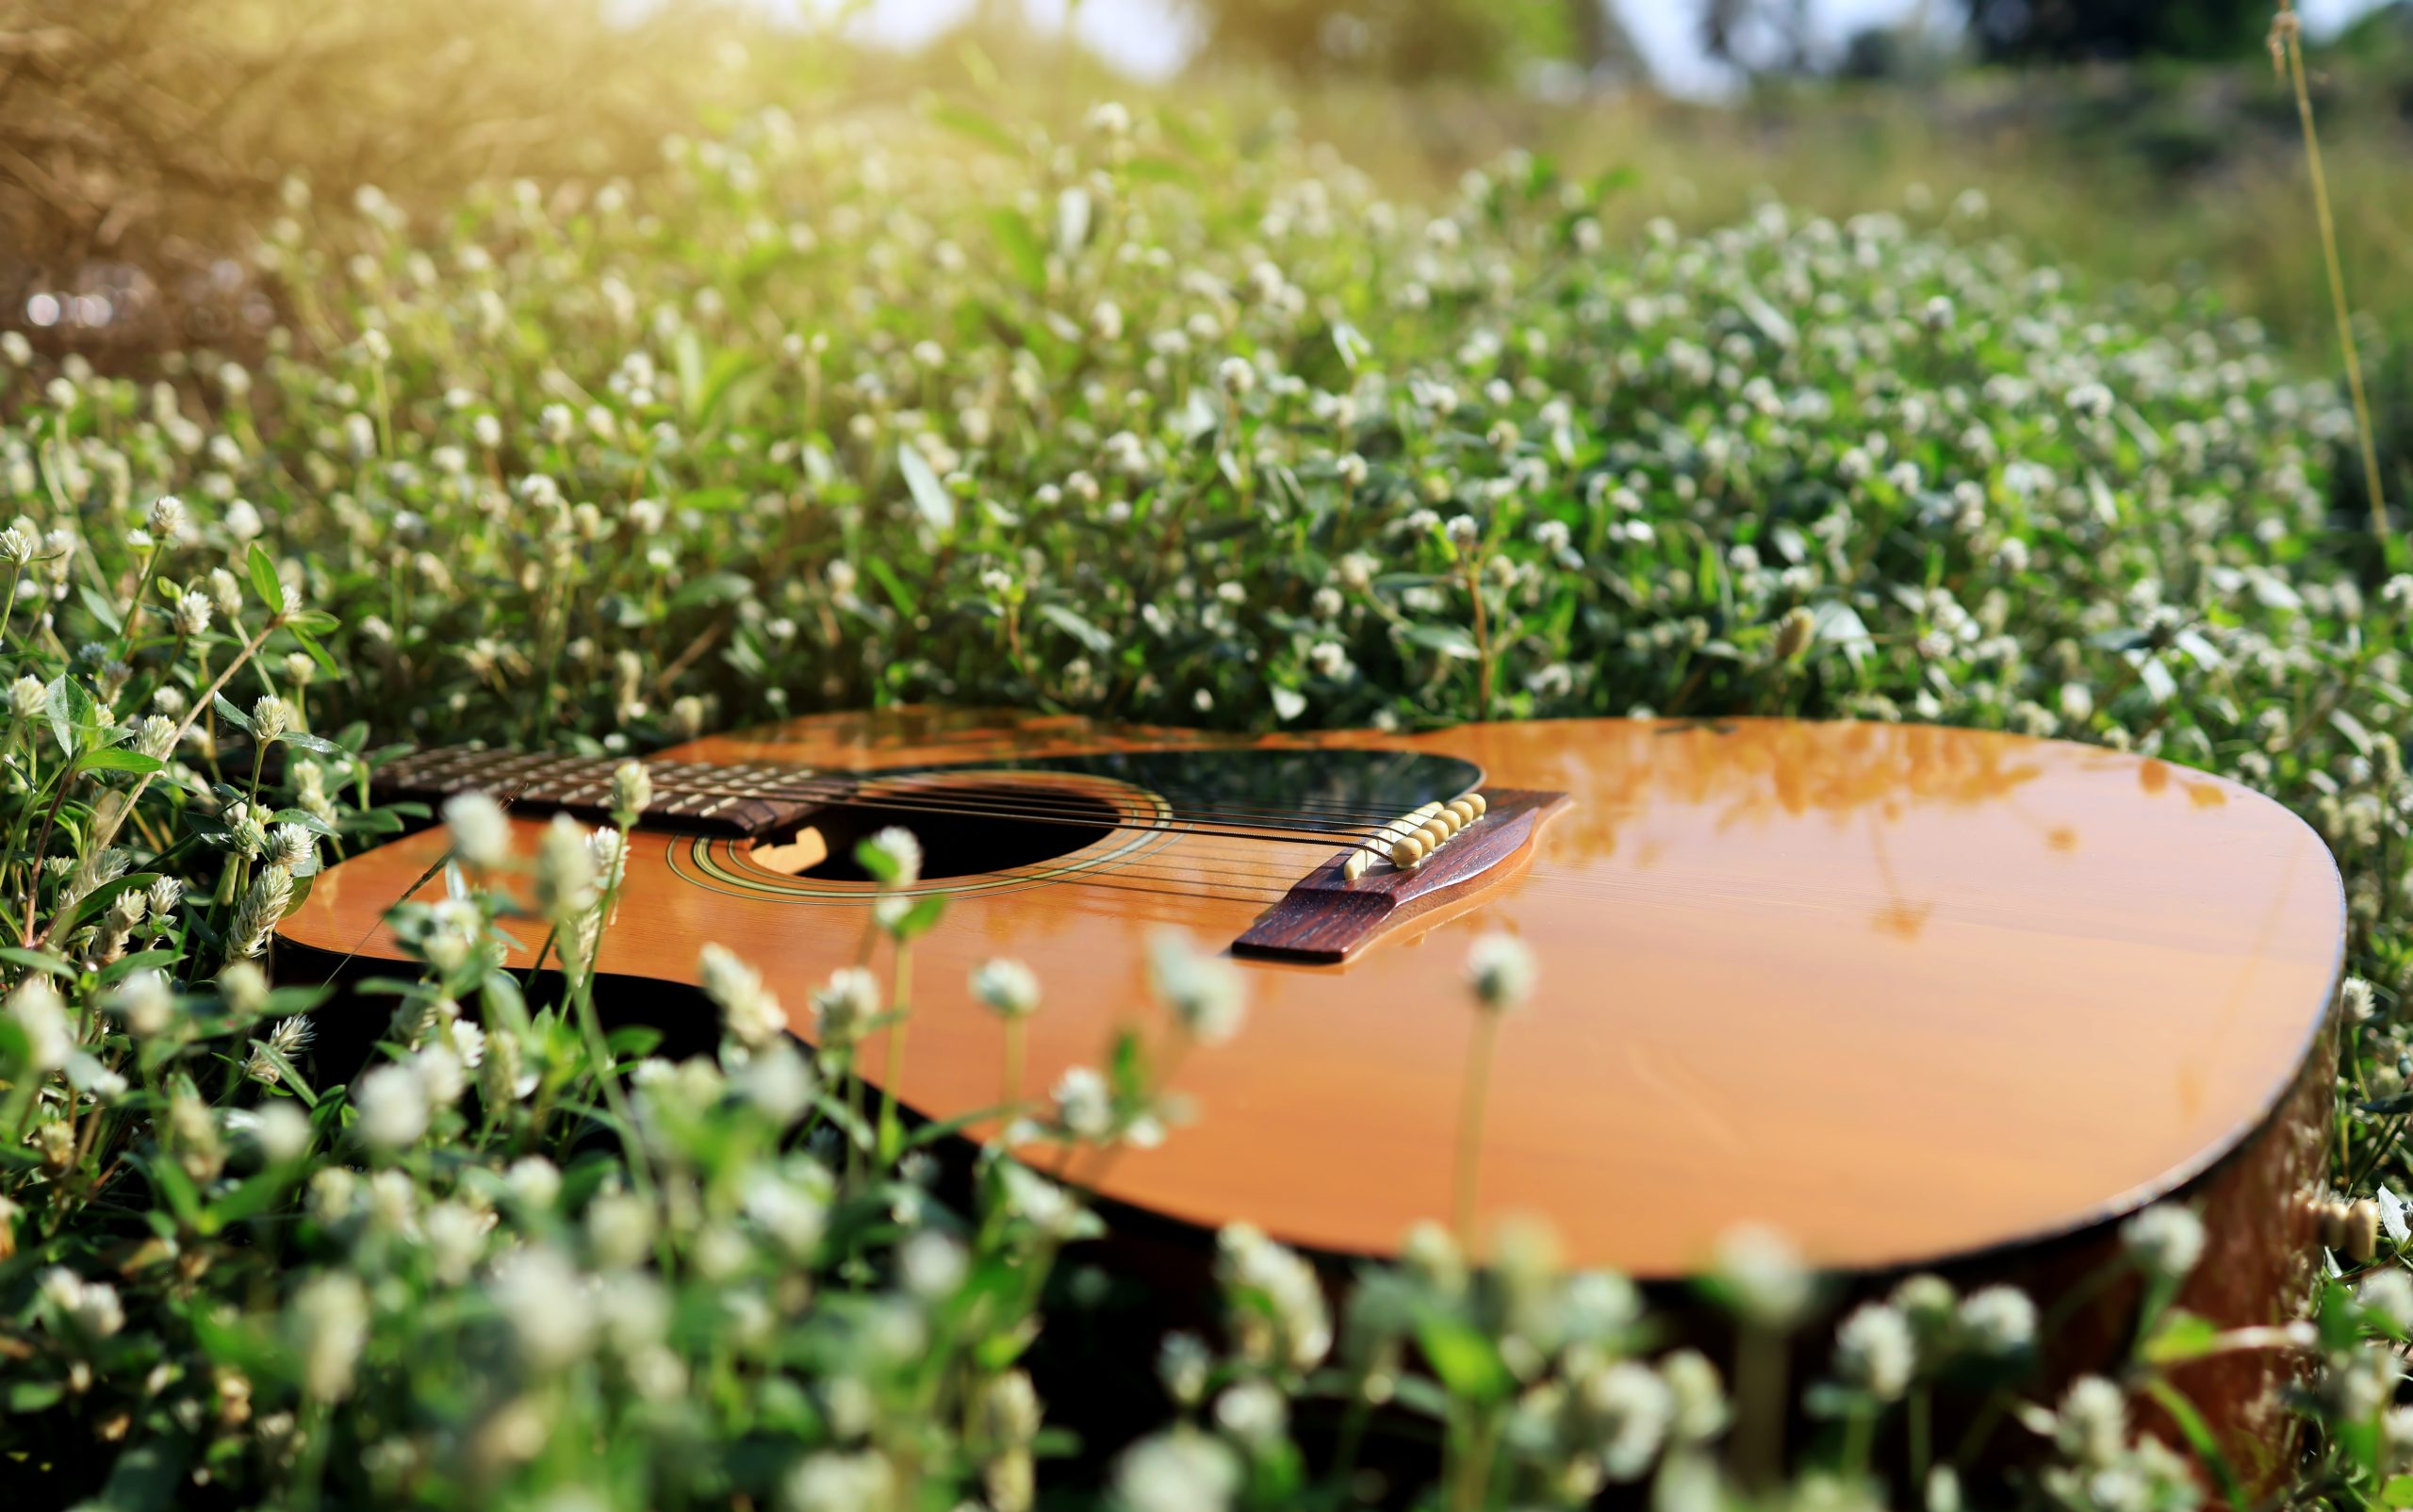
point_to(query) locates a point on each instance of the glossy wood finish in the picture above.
(1907, 993)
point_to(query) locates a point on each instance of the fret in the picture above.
(749, 798)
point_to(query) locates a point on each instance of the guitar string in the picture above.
(844, 787)
(1072, 813)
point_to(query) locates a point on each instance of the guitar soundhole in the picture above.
(966, 830)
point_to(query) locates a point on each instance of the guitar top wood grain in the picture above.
(1904, 993)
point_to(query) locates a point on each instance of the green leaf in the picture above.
(1463, 1359)
(114, 759)
(1020, 244)
(919, 919)
(36, 960)
(145, 1478)
(71, 711)
(265, 582)
(101, 609)
(876, 860)
(231, 714)
(318, 653)
(2199, 1437)
(1352, 344)
(2182, 1336)
(1097, 641)
(965, 122)
(1449, 640)
(929, 495)
(253, 1197)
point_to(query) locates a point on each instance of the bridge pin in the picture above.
(1408, 853)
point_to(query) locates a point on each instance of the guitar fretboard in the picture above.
(747, 799)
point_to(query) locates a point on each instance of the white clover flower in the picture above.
(27, 698)
(2389, 1294)
(2167, 1239)
(1083, 1104)
(155, 736)
(1630, 1408)
(1764, 1274)
(1999, 1321)
(144, 1001)
(282, 1131)
(904, 854)
(932, 1265)
(621, 1228)
(2092, 1426)
(41, 1016)
(534, 1181)
(166, 519)
(272, 716)
(1500, 971)
(749, 1009)
(566, 875)
(1875, 1351)
(1005, 987)
(291, 845)
(844, 1005)
(1179, 1471)
(828, 1481)
(631, 788)
(392, 1106)
(544, 1301)
(793, 1213)
(330, 1317)
(244, 988)
(90, 1308)
(1183, 1364)
(1206, 994)
(1294, 1327)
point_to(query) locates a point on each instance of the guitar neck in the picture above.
(754, 799)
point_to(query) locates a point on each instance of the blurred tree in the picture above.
(2063, 31)
(1412, 41)
(1758, 35)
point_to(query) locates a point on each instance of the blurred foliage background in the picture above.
(143, 143)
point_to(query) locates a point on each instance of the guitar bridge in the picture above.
(1343, 904)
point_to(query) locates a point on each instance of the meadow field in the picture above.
(820, 387)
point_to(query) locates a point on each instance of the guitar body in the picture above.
(1914, 996)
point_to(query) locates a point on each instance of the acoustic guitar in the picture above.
(1917, 997)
